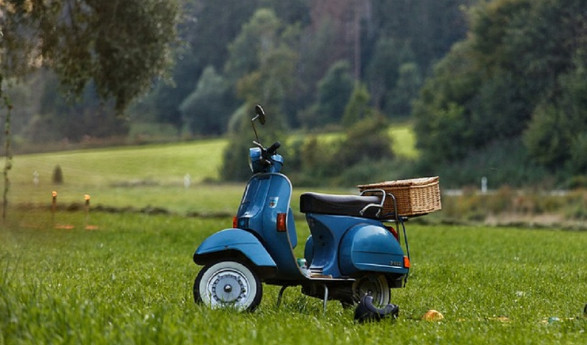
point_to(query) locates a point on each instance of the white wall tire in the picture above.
(228, 284)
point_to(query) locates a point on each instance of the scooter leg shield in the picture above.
(231, 240)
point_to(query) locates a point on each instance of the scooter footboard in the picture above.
(233, 242)
(367, 247)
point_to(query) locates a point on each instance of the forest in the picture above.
(491, 88)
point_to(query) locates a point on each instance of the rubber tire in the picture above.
(374, 285)
(232, 275)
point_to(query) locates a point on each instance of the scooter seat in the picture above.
(347, 205)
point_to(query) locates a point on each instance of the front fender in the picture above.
(231, 240)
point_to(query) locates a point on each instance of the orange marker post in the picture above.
(87, 203)
(87, 207)
(53, 206)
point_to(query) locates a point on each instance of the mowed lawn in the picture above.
(130, 282)
(151, 175)
(146, 176)
(129, 279)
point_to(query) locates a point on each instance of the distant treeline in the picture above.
(510, 101)
(494, 88)
(302, 58)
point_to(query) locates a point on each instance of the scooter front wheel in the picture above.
(228, 284)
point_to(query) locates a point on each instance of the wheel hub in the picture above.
(228, 288)
(374, 286)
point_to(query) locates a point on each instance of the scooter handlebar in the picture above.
(266, 153)
(273, 148)
(269, 151)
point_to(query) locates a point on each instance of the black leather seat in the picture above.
(348, 205)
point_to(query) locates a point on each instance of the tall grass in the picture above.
(130, 282)
(511, 206)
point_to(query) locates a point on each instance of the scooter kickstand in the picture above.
(280, 295)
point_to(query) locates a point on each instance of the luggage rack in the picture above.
(398, 220)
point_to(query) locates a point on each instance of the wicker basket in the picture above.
(414, 197)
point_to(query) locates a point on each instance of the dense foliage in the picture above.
(99, 50)
(519, 74)
(119, 48)
(495, 88)
(293, 49)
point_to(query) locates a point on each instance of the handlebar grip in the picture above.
(271, 150)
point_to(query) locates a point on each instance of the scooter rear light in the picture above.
(393, 232)
(281, 222)
(406, 262)
(234, 222)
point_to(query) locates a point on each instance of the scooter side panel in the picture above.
(323, 247)
(368, 247)
(235, 239)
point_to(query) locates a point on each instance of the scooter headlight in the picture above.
(255, 159)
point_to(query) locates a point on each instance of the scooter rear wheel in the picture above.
(374, 285)
(228, 284)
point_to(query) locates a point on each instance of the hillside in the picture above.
(140, 176)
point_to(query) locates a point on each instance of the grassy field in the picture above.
(120, 177)
(143, 176)
(403, 139)
(130, 281)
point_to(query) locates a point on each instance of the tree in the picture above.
(205, 110)
(334, 91)
(120, 47)
(204, 30)
(84, 118)
(383, 68)
(358, 106)
(343, 19)
(515, 71)
(442, 116)
(399, 99)
(430, 27)
(367, 141)
(556, 134)
(263, 63)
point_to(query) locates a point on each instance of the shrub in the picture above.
(57, 175)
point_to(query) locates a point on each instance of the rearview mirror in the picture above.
(260, 114)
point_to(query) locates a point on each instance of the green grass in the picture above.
(130, 282)
(141, 176)
(125, 165)
(404, 141)
(127, 176)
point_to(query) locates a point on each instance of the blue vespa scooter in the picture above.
(352, 251)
